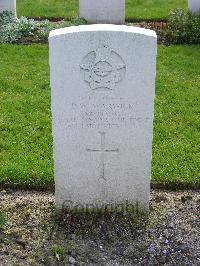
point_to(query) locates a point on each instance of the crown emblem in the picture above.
(103, 68)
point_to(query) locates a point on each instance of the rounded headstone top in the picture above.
(102, 27)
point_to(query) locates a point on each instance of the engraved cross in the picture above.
(102, 151)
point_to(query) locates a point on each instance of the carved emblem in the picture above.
(103, 68)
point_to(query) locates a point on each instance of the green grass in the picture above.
(176, 156)
(48, 8)
(26, 155)
(152, 9)
(26, 142)
(3, 221)
(135, 9)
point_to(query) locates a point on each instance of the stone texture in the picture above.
(102, 85)
(103, 11)
(8, 5)
(194, 6)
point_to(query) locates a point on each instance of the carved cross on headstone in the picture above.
(103, 150)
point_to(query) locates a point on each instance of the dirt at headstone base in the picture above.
(33, 234)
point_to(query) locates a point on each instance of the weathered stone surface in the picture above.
(103, 11)
(194, 6)
(103, 83)
(8, 5)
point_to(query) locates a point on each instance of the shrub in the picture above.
(14, 29)
(183, 27)
(7, 30)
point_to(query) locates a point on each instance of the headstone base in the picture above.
(194, 6)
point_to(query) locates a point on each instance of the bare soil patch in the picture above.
(34, 235)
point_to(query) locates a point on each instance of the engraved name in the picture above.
(103, 116)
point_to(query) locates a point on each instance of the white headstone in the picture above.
(8, 5)
(102, 11)
(194, 6)
(102, 84)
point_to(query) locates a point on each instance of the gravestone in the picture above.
(194, 6)
(102, 11)
(8, 5)
(102, 89)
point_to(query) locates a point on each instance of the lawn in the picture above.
(135, 9)
(26, 142)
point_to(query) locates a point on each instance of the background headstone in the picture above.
(103, 83)
(102, 11)
(194, 6)
(8, 5)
